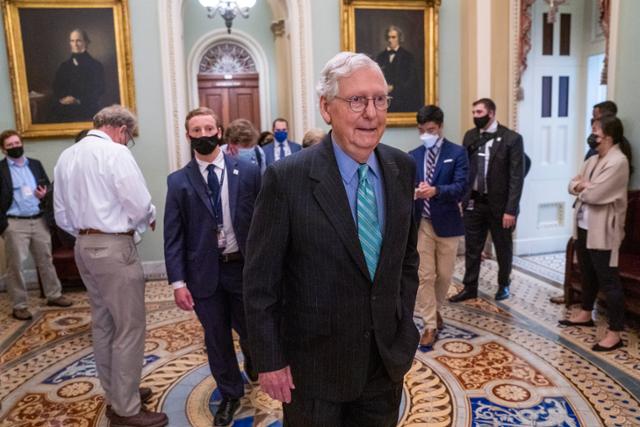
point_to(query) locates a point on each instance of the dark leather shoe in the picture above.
(567, 322)
(22, 314)
(557, 299)
(61, 301)
(464, 295)
(599, 348)
(429, 337)
(251, 373)
(143, 418)
(503, 293)
(224, 414)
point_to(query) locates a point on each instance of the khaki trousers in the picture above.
(21, 237)
(112, 272)
(437, 260)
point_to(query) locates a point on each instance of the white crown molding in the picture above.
(173, 81)
(211, 38)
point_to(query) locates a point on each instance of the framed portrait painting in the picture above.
(402, 37)
(67, 59)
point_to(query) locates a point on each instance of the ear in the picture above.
(324, 110)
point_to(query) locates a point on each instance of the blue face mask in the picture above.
(280, 135)
(246, 153)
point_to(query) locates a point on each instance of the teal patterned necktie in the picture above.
(368, 227)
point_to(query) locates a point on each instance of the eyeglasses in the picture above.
(130, 141)
(359, 103)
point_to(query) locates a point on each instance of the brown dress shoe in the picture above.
(429, 337)
(145, 396)
(61, 301)
(22, 314)
(143, 418)
(439, 322)
(557, 299)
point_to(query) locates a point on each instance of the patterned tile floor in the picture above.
(545, 266)
(495, 364)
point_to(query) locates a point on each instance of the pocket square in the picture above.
(448, 161)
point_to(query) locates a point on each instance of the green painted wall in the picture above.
(150, 150)
(327, 43)
(627, 82)
(257, 26)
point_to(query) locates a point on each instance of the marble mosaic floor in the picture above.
(495, 364)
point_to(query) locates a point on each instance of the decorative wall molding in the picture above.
(212, 38)
(173, 80)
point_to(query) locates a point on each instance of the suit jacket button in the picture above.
(373, 298)
(367, 335)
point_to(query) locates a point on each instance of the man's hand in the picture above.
(183, 298)
(40, 191)
(153, 225)
(425, 191)
(508, 221)
(68, 100)
(277, 384)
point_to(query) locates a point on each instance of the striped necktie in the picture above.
(428, 176)
(281, 151)
(368, 227)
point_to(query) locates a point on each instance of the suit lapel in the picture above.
(392, 194)
(444, 152)
(197, 182)
(495, 146)
(233, 177)
(422, 151)
(332, 198)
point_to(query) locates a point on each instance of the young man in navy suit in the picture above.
(282, 146)
(207, 215)
(441, 182)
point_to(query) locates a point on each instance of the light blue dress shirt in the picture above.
(349, 170)
(21, 176)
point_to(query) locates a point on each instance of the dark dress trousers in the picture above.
(504, 178)
(6, 186)
(309, 300)
(192, 255)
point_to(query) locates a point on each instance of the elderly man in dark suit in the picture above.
(207, 216)
(496, 176)
(331, 272)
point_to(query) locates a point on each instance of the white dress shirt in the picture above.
(227, 225)
(99, 185)
(487, 154)
(276, 148)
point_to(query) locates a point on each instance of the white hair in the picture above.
(340, 66)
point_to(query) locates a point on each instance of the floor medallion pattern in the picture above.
(494, 364)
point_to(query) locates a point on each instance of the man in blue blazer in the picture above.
(281, 147)
(207, 216)
(441, 182)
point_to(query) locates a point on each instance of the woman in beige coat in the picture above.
(601, 205)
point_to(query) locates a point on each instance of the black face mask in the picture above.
(15, 152)
(481, 122)
(592, 140)
(205, 144)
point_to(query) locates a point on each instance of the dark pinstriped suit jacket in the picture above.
(308, 297)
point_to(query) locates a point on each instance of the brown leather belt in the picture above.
(86, 231)
(232, 257)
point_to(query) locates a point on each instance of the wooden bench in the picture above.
(629, 265)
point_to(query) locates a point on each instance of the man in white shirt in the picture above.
(101, 198)
(207, 216)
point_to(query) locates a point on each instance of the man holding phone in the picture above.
(23, 184)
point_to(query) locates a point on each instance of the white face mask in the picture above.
(428, 139)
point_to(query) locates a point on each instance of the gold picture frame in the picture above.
(366, 26)
(57, 86)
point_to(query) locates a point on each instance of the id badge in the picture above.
(26, 191)
(222, 238)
